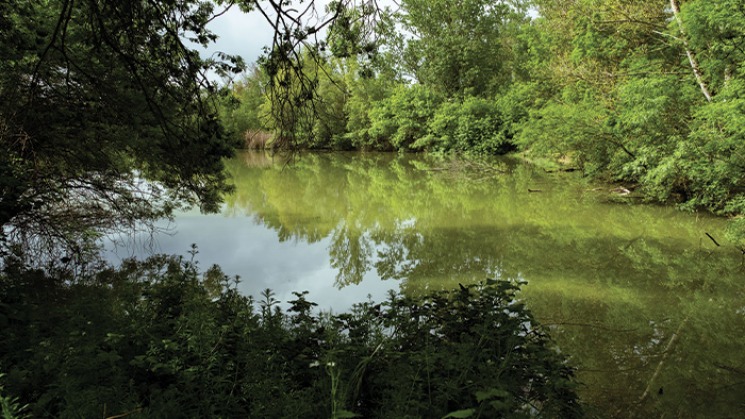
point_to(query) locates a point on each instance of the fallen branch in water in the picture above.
(712, 239)
(665, 354)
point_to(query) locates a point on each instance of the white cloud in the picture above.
(239, 33)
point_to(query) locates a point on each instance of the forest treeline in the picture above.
(646, 93)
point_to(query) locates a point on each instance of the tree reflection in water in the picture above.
(646, 305)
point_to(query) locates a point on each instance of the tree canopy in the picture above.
(98, 96)
(108, 118)
(644, 93)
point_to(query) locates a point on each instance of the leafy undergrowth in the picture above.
(158, 338)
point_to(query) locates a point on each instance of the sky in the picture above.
(239, 33)
(246, 34)
(243, 34)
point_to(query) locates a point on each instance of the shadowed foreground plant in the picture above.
(158, 338)
(9, 406)
(475, 350)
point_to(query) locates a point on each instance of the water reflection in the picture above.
(649, 308)
(424, 219)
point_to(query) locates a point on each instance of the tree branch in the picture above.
(691, 55)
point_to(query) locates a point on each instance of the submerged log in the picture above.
(620, 191)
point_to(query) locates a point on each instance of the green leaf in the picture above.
(465, 413)
(490, 394)
(499, 405)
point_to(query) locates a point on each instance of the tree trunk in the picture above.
(691, 56)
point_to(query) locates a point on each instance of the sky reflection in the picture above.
(241, 246)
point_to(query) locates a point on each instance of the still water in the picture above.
(650, 310)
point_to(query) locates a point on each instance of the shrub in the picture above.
(471, 126)
(158, 338)
(402, 118)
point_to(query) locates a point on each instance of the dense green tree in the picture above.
(471, 126)
(328, 112)
(458, 48)
(401, 119)
(365, 93)
(355, 90)
(240, 108)
(646, 93)
(96, 96)
(710, 160)
(714, 32)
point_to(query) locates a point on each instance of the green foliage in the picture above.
(401, 119)
(365, 93)
(457, 49)
(9, 406)
(473, 126)
(716, 33)
(630, 108)
(574, 127)
(94, 91)
(711, 163)
(354, 90)
(240, 107)
(516, 104)
(449, 346)
(350, 34)
(316, 118)
(159, 339)
(330, 117)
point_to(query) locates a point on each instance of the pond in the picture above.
(648, 307)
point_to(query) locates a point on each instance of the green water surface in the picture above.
(649, 309)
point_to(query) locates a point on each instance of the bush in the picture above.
(160, 339)
(473, 126)
(402, 118)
